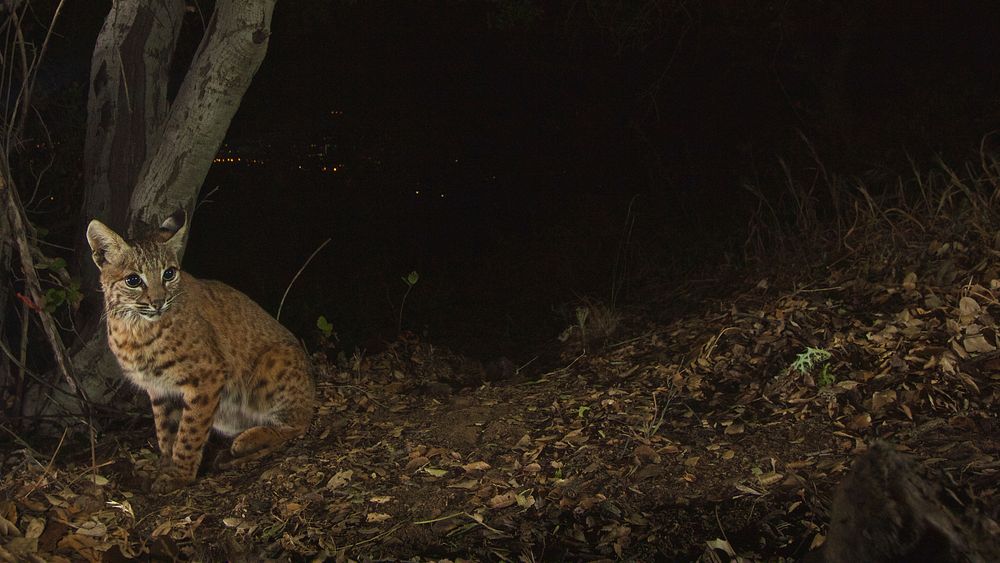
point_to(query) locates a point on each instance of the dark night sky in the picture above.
(539, 134)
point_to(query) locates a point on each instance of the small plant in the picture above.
(66, 291)
(410, 280)
(324, 326)
(652, 422)
(826, 377)
(811, 359)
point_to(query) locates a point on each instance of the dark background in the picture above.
(501, 149)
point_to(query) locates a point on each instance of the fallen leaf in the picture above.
(339, 479)
(8, 529)
(722, 545)
(502, 500)
(476, 466)
(882, 398)
(860, 422)
(977, 344)
(736, 428)
(373, 517)
(646, 454)
(416, 463)
(93, 529)
(968, 308)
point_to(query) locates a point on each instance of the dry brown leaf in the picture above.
(476, 466)
(375, 517)
(882, 398)
(35, 527)
(93, 529)
(84, 546)
(968, 308)
(22, 549)
(416, 463)
(645, 454)
(502, 500)
(860, 422)
(467, 484)
(769, 478)
(977, 344)
(8, 529)
(339, 479)
(735, 428)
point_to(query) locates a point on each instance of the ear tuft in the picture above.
(105, 244)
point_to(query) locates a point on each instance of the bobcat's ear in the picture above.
(106, 245)
(172, 231)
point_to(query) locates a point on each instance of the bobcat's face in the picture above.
(142, 285)
(141, 280)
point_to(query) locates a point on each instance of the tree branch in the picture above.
(15, 216)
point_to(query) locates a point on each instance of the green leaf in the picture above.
(411, 279)
(324, 326)
(57, 264)
(54, 297)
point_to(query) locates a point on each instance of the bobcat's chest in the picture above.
(144, 358)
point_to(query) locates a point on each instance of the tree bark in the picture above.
(146, 157)
(128, 101)
(230, 53)
(126, 109)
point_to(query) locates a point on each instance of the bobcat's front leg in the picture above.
(200, 403)
(166, 418)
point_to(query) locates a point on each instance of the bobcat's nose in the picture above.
(157, 303)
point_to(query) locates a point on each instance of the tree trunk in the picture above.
(126, 110)
(147, 156)
(231, 51)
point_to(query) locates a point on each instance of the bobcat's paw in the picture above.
(170, 479)
(164, 461)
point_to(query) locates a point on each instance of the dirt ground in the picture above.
(696, 426)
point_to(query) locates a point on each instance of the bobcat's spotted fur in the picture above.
(207, 355)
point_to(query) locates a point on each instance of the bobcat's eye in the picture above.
(169, 274)
(133, 280)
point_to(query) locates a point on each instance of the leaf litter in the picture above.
(718, 433)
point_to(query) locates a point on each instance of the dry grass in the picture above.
(821, 218)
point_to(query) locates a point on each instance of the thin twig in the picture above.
(297, 274)
(14, 215)
(34, 75)
(375, 538)
(20, 441)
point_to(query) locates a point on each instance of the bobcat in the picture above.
(207, 355)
